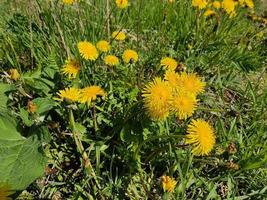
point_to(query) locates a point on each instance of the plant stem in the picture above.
(86, 161)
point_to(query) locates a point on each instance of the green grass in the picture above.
(37, 37)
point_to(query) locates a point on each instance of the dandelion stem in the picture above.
(86, 161)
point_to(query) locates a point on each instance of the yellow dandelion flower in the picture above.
(87, 50)
(241, 2)
(122, 3)
(130, 56)
(249, 3)
(157, 95)
(201, 136)
(168, 63)
(168, 183)
(103, 46)
(216, 4)
(172, 78)
(201, 4)
(69, 94)
(191, 83)
(111, 60)
(14, 74)
(71, 68)
(229, 6)
(183, 104)
(118, 35)
(90, 93)
(68, 1)
(209, 13)
(5, 192)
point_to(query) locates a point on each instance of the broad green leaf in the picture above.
(21, 158)
(44, 104)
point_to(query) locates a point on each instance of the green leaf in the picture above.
(24, 115)
(3, 97)
(255, 162)
(8, 129)
(21, 158)
(51, 68)
(44, 104)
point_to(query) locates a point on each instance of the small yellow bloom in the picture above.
(168, 63)
(130, 56)
(103, 46)
(87, 50)
(14, 74)
(111, 60)
(249, 3)
(168, 183)
(69, 94)
(118, 35)
(183, 104)
(68, 1)
(241, 2)
(122, 3)
(209, 12)
(229, 6)
(157, 95)
(216, 4)
(191, 83)
(201, 136)
(201, 4)
(172, 78)
(71, 68)
(90, 93)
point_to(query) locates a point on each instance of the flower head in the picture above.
(71, 68)
(68, 1)
(122, 3)
(103, 46)
(87, 50)
(200, 136)
(168, 183)
(183, 104)
(90, 93)
(168, 63)
(216, 4)
(157, 95)
(111, 60)
(201, 4)
(14, 74)
(118, 35)
(130, 56)
(229, 6)
(249, 3)
(31, 107)
(69, 94)
(172, 78)
(209, 13)
(191, 83)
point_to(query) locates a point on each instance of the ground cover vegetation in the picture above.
(133, 99)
